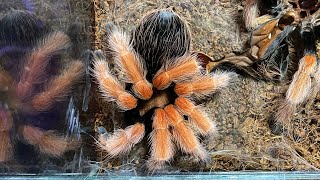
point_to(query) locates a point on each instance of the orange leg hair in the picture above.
(316, 83)
(5, 80)
(299, 88)
(183, 135)
(162, 149)
(130, 64)
(203, 86)
(176, 70)
(59, 87)
(46, 141)
(36, 64)
(196, 115)
(110, 87)
(5, 141)
(121, 141)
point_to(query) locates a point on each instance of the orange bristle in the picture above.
(196, 115)
(316, 83)
(5, 146)
(6, 143)
(5, 80)
(183, 135)
(162, 149)
(59, 88)
(285, 111)
(46, 141)
(143, 89)
(162, 80)
(176, 70)
(251, 12)
(36, 64)
(299, 88)
(110, 87)
(127, 101)
(121, 141)
(203, 86)
(5, 121)
(131, 65)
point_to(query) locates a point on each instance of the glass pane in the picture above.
(42, 74)
(179, 88)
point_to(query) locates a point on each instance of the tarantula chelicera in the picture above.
(277, 46)
(32, 86)
(163, 77)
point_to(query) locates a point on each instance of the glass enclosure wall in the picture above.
(43, 64)
(131, 87)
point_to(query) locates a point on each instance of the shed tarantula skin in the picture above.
(252, 9)
(290, 38)
(255, 13)
(31, 85)
(163, 77)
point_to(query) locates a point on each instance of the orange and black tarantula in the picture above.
(33, 87)
(157, 79)
(287, 42)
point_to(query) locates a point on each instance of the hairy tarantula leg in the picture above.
(203, 86)
(59, 87)
(316, 83)
(250, 14)
(36, 63)
(47, 141)
(5, 80)
(5, 141)
(110, 87)
(162, 148)
(131, 65)
(121, 141)
(299, 88)
(176, 70)
(183, 135)
(196, 115)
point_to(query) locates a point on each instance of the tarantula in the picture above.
(276, 46)
(32, 86)
(163, 77)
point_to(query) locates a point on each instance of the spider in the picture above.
(32, 88)
(158, 80)
(288, 39)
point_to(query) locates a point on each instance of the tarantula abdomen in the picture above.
(161, 35)
(21, 28)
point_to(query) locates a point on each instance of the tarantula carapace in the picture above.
(33, 85)
(163, 77)
(287, 40)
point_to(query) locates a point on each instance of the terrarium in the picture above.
(183, 89)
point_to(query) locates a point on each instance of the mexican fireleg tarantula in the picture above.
(163, 77)
(32, 86)
(289, 37)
